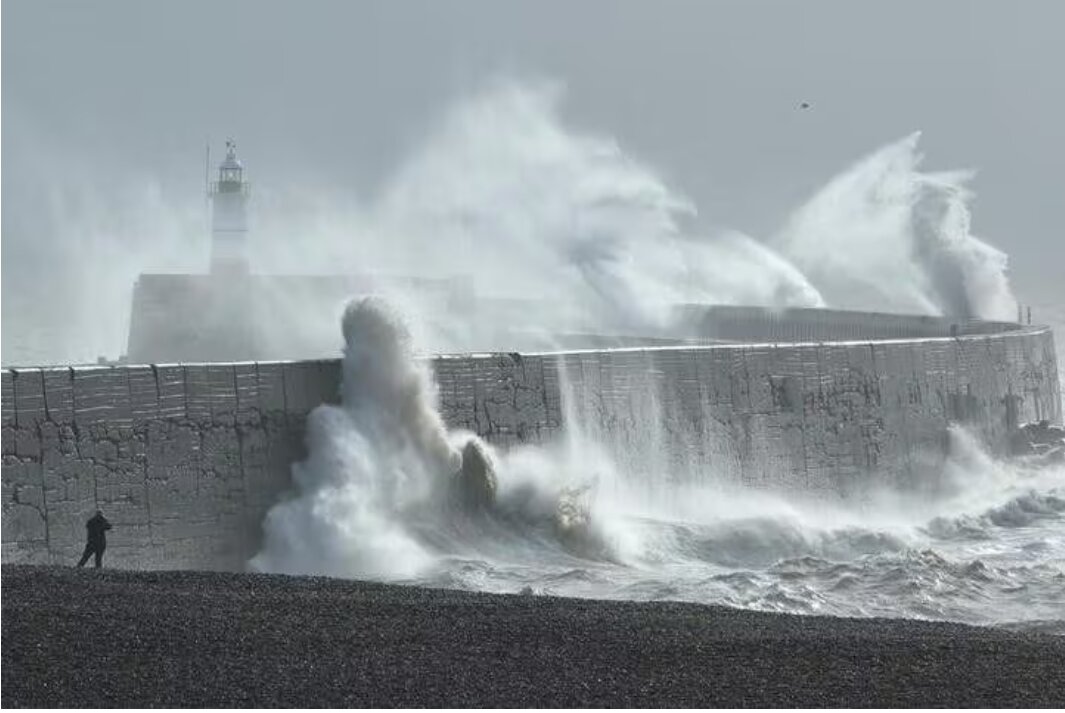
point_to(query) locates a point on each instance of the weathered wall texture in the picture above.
(186, 459)
(837, 417)
(180, 458)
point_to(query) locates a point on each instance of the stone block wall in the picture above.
(182, 458)
(835, 417)
(185, 460)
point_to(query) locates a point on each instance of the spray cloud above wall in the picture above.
(504, 194)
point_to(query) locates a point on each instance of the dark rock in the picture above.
(1043, 442)
(474, 486)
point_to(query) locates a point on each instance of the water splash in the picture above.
(521, 206)
(372, 463)
(388, 492)
(504, 191)
(885, 236)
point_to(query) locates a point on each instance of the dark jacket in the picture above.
(97, 526)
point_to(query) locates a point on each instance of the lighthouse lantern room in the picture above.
(229, 216)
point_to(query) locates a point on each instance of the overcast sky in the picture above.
(336, 92)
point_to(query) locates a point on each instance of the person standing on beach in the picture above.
(97, 540)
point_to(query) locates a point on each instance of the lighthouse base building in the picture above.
(195, 318)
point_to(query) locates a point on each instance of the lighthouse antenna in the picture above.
(207, 182)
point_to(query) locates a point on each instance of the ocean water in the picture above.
(994, 559)
(600, 517)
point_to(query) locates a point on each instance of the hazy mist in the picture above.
(107, 106)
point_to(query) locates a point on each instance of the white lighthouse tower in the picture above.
(229, 216)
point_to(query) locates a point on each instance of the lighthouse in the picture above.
(229, 216)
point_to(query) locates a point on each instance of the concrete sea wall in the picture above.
(838, 418)
(185, 460)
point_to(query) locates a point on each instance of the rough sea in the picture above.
(985, 544)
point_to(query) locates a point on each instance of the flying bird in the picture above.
(804, 105)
